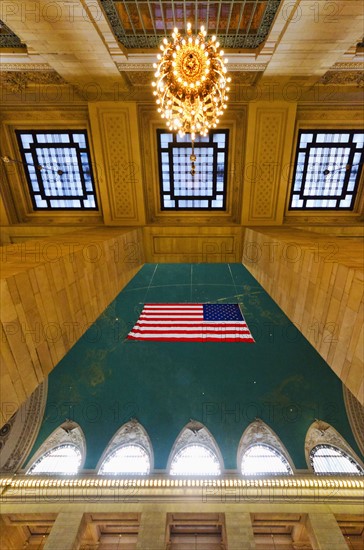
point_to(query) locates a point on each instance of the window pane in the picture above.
(328, 164)
(329, 460)
(58, 169)
(130, 459)
(261, 460)
(205, 188)
(65, 459)
(195, 460)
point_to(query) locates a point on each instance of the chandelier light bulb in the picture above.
(191, 82)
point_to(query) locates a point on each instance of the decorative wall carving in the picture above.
(131, 433)
(17, 436)
(259, 433)
(17, 81)
(270, 133)
(69, 432)
(321, 433)
(140, 78)
(355, 412)
(345, 78)
(195, 433)
(245, 78)
(334, 115)
(115, 132)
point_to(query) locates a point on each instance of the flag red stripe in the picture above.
(185, 322)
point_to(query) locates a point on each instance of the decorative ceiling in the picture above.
(243, 24)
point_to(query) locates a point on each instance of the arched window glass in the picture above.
(195, 460)
(326, 459)
(62, 460)
(129, 459)
(264, 460)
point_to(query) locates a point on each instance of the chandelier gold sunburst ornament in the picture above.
(191, 83)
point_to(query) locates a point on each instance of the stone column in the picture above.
(239, 531)
(325, 534)
(152, 531)
(66, 532)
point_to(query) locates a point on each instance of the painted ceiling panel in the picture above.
(105, 379)
(243, 24)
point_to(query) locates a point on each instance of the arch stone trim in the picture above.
(19, 434)
(130, 433)
(195, 433)
(322, 433)
(259, 433)
(67, 433)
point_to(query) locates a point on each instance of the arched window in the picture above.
(261, 452)
(129, 459)
(62, 453)
(328, 453)
(62, 460)
(326, 459)
(264, 460)
(195, 460)
(195, 452)
(129, 452)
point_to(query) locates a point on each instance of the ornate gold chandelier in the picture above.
(191, 84)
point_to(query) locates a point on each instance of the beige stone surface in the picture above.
(51, 297)
(325, 533)
(318, 282)
(239, 531)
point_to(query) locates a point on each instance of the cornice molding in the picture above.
(98, 489)
(25, 67)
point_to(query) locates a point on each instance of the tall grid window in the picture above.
(206, 190)
(327, 169)
(58, 169)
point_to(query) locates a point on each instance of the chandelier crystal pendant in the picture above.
(191, 83)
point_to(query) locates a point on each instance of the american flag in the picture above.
(191, 323)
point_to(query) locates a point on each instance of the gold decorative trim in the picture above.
(134, 67)
(303, 489)
(250, 67)
(349, 66)
(25, 67)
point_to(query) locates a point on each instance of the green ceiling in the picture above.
(105, 380)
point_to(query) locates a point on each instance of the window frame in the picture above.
(204, 474)
(276, 452)
(121, 473)
(198, 146)
(48, 453)
(356, 194)
(71, 144)
(342, 453)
